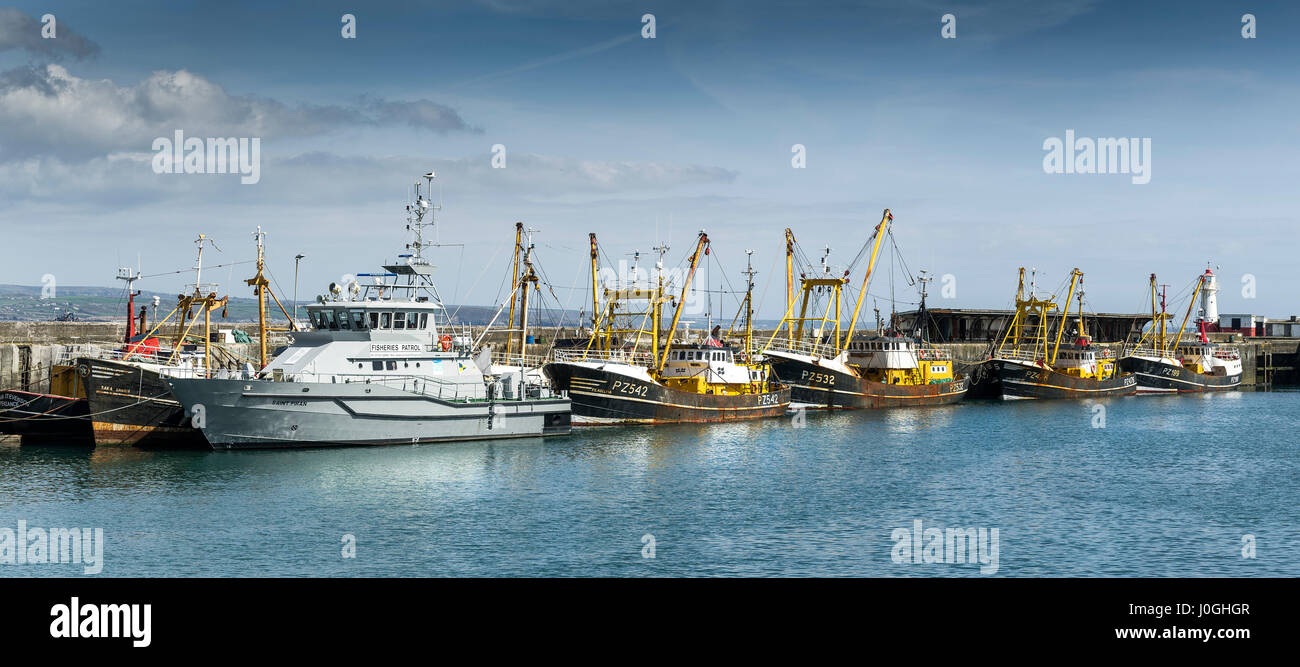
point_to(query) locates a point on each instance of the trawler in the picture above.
(61, 413)
(1030, 363)
(830, 370)
(382, 364)
(636, 374)
(1165, 366)
(56, 415)
(129, 400)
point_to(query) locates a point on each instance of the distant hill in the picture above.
(23, 303)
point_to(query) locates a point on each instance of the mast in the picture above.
(789, 279)
(528, 279)
(749, 303)
(514, 284)
(1199, 282)
(125, 273)
(700, 247)
(862, 291)
(1156, 344)
(657, 306)
(595, 272)
(260, 288)
(1164, 330)
(923, 315)
(1075, 275)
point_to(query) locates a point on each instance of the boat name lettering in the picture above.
(818, 378)
(395, 348)
(297, 403)
(629, 388)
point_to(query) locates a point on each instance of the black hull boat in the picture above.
(1018, 380)
(1154, 377)
(133, 405)
(602, 396)
(45, 418)
(820, 387)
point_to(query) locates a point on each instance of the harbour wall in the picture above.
(28, 350)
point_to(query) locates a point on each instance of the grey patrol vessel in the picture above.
(380, 365)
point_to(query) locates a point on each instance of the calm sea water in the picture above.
(1168, 487)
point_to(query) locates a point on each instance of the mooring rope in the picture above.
(93, 414)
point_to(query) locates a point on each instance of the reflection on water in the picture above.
(1167, 487)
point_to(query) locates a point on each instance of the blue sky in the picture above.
(645, 140)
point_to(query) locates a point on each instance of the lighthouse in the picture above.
(1210, 300)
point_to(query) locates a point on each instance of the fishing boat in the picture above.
(58, 415)
(1171, 366)
(631, 372)
(382, 364)
(1031, 363)
(129, 400)
(828, 370)
(61, 413)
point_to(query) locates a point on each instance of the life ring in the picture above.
(445, 342)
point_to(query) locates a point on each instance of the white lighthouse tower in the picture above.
(1210, 299)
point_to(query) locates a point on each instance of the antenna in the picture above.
(415, 218)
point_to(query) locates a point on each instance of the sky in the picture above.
(648, 141)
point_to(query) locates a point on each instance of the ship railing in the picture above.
(500, 358)
(807, 347)
(416, 384)
(634, 357)
(933, 354)
(1031, 356)
(1151, 352)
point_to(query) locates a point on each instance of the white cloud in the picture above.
(47, 111)
(20, 31)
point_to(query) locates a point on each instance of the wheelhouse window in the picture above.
(385, 320)
(399, 320)
(358, 319)
(424, 320)
(374, 320)
(342, 317)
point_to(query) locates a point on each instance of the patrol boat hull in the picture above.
(622, 394)
(131, 404)
(1155, 377)
(1014, 380)
(265, 414)
(817, 386)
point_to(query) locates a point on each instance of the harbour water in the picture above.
(1149, 486)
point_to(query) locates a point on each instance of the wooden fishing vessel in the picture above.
(830, 370)
(1031, 363)
(639, 375)
(1165, 366)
